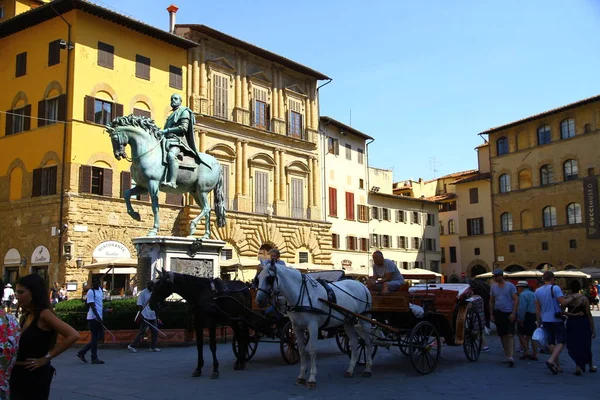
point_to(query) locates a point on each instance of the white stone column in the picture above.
(281, 176)
(244, 85)
(245, 169)
(238, 168)
(202, 61)
(277, 182)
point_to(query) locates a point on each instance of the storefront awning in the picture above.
(117, 263)
(239, 262)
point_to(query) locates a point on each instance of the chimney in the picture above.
(172, 9)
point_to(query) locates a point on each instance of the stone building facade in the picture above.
(544, 184)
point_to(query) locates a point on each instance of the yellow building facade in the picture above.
(544, 183)
(92, 66)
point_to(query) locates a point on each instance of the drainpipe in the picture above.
(323, 141)
(69, 47)
(368, 190)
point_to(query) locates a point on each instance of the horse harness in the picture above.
(331, 297)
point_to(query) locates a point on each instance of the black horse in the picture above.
(200, 294)
(482, 289)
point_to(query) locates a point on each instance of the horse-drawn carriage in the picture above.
(275, 326)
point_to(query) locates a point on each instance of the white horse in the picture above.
(302, 293)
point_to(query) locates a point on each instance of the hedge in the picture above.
(119, 314)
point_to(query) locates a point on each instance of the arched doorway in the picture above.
(570, 267)
(514, 268)
(544, 267)
(478, 270)
(454, 279)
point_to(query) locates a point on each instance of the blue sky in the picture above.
(422, 77)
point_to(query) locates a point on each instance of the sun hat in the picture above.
(522, 284)
(8, 285)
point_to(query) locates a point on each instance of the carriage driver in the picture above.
(179, 136)
(386, 275)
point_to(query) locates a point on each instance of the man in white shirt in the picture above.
(8, 297)
(94, 298)
(147, 318)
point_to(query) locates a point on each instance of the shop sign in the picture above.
(590, 195)
(111, 249)
(40, 255)
(12, 257)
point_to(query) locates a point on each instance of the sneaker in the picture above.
(96, 361)
(156, 349)
(132, 349)
(486, 349)
(82, 357)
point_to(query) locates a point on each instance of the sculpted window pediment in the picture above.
(297, 168)
(261, 77)
(295, 89)
(263, 160)
(221, 63)
(223, 152)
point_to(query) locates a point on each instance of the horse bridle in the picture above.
(270, 280)
(123, 142)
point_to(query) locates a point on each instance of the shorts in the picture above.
(504, 325)
(555, 332)
(528, 326)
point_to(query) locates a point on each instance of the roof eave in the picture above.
(350, 129)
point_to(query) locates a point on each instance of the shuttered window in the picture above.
(21, 65)
(362, 213)
(226, 176)
(473, 195)
(106, 55)
(125, 183)
(18, 120)
(375, 213)
(335, 241)
(142, 113)
(174, 199)
(261, 192)
(332, 202)
(295, 119)
(350, 206)
(360, 156)
(260, 109)
(52, 110)
(142, 67)
(175, 77)
(333, 146)
(44, 181)
(54, 52)
(351, 243)
(95, 180)
(101, 111)
(297, 189)
(220, 86)
(364, 244)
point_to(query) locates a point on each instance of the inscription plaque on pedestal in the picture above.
(201, 268)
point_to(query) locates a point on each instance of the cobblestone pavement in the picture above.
(166, 375)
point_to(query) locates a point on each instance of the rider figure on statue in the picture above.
(178, 136)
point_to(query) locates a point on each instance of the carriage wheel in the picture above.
(473, 335)
(404, 343)
(288, 345)
(342, 340)
(425, 347)
(252, 345)
(362, 346)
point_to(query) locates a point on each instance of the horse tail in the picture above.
(220, 202)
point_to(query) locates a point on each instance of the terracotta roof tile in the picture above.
(441, 197)
(477, 177)
(453, 175)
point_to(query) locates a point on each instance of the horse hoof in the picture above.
(311, 385)
(196, 374)
(136, 216)
(215, 375)
(349, 375)
(301, 381)
(367, 374)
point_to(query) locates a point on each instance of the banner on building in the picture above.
(590, 194)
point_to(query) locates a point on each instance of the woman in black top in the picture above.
(580, 329)
(32, 374)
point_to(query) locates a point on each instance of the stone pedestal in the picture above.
(188, 256)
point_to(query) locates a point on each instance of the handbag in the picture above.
(539, 336)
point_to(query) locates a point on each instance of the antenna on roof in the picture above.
(432, 166)
(350, 117)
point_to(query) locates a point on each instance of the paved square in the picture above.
(166, 375)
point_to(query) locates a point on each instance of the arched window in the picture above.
(587, 128)
(526, 219)
(546, 175)
(504, 183)
(502, 146)
(441, 224)
(549, 216)
(451, 227)
(570, 170)
(506, 222)
(574, 213)
(567, 128)
(544, 134)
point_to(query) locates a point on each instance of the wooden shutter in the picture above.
(36, 191)
(62, 108)
(261, 192)
(297, 198)
(107, 182)
(336, 145)
(21, 68)
(50, 180)
(333, 202)
(54, 52)
(125, 182)
(225, 172)
(9, 120)
(174, 199)
(469, 221)
(118, 110)
(349, 205)
(27, 117)
(85, 179)
(142, 67)
(89, 104)
(145, 197)
(481, 226)
(106, 55)
(41, 113)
